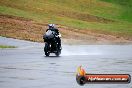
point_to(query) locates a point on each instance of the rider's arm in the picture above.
(57, 31)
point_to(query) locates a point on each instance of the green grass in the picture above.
(5, 46)
(126, 11)
(38, 9)
(127, 3)
(73, 13)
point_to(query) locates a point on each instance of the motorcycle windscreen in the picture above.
(49, 34)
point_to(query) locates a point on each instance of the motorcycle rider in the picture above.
(58, 35)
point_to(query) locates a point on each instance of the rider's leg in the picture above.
(59, 43)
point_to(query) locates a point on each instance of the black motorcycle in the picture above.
(51, 43)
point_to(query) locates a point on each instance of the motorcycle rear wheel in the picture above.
(58, 52)
(46, 49)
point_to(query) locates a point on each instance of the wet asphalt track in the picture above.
(27, 66)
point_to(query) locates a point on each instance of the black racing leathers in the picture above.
(57, 33)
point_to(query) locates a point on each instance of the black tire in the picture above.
(58, 52)
(46, 49)
(81, 80)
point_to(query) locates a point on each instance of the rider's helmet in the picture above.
(51, 26)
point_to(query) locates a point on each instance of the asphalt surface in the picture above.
(27, 66)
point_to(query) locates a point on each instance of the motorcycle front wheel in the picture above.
(46, 49)
(58, 52)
